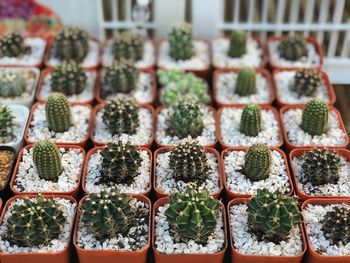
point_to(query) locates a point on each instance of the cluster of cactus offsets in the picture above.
(13, 45)
(306, 82)
(246, 82)
(192, 215)
(121, 116)
(272, 215)
(122, 76)
(127, 45)
(181, 41)
(321, 166)
(68, 78)
(47, 160)
(257, 162)
(336, 225)
(188, 162)
(187, 118)
(12, 84)
(72, 43)
(35, 222)
(108, 214)
(58, 112)
(293, 48)
(251, 121)
(238, 44)
(315, 117)
(6, 121)
(120, 163)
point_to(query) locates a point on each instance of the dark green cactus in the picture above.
(36, 222)
(128, 45)
(47, 160)
(315, 117)
(246, 82)
(272, 215)
(12, 84)
(238, 44)
(257, 162)
(13, 45)
(306, 82)
(336, 225)
(58, 113)
(251, 120)
(193, 215)
(180, 41)
(292, 48)
(6, 122)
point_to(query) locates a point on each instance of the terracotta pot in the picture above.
(230, 194)
(112, 256)
(281, 103)
(47, 71)
(82, 143)
(74, 193)
(37, 257)
(238, 257)
(290, 146)
(186, 258)
(160, 193)
(263, 107)
(100, 106)
(310, 40)
(12, 164)
(264, 72)
(96, 149)
(312, 256)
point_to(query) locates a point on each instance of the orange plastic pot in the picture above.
(112, 256)
(37, 257)
(160, 193)
(312, 256)
(237, 257)
(291, 146)
(230, 194)
(264, 72)
(186, 258)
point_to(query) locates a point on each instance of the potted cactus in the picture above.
(121, 165)
(59, 121)
(243, 126)
(315, 124)
(7, 162)
(181, 51)
(189, 227)
(113, 227)
(187, 163)
(36, 228)
(247, 170)
(18, 51)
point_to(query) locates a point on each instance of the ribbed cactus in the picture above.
(246, 82)
(336, 225)
(180, 41)
(68, 78)
(12, 83)
(292, 48)
(6, 122)
(238, 44)
(127, 45)
(251, 120)
(37, 221)
(272, 215)
(12, 45)
(58, 113)
(192, 215)
(306, 82)
(257, 162)
(47, 160)
(108, 214)
(121, 116)
(315, 117)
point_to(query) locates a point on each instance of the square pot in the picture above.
(3, 189)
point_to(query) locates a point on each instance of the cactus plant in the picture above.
(58, 112)
(108, 214)
(246, 82)
(238, 44)
(336, 225)
(6, 122)
(306, 82)
(272, 215)
(68, 78)
(180, 41)
(12, 45)
(257, 162)
(127, 45)
(47, 160)
(315, 117)
(292, 48)
(192, 215)
(12, 84)
(36, 221)
(251, 120)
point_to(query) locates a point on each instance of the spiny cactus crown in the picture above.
(180, 41)
(306, 82)
(238, 44)
(315, 117)
(6, 121)
(257, 162)
(13, 45)
(12, 83)
(292, 48)
(58, 112)
(251, 120)
(128, 45)
(246, 82)
(336, 225)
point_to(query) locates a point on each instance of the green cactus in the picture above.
(58, 113)
(257, 162)
(37, 221)
(336, 225)
(272, 215)
(12, 84)
(246, 82)
(180, 41)
(306, 82)
(292, 48)
(12, 45)
(6, 122)
(238, 44)
(251, 120)
(315, 117)
(193, 215)
(47, 160)
(108, 214)
(68, 78)
(127, 45)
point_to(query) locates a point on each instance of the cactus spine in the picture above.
(315, 117)
(128, 45)
(293, 48)
(13, 45)
(251, 120)
(306, 82)
(257, 162)
(180, 41)
(238, 44)
(12, 84)
(336, 225)
(246, 82)
(6, 123)
(58, 113)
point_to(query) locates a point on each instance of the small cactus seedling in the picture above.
(13, 45)
(336, 225)
(6, 122)
(246, 82)
(238, 44)
(251, 120)
(315, 117)
(180, 41)
(293, 48)
(127, 45)
(257, 162)
(12, 84)
(306, 82)
(58, 113)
